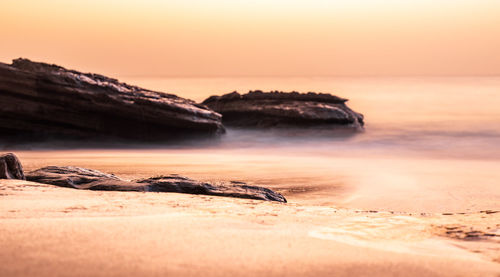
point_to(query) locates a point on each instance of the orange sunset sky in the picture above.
(256, 38)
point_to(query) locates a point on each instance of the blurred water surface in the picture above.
(430, 144)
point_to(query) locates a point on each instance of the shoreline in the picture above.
(329, 226)
(343, 181)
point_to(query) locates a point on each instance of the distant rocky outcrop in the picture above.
(10, 167)
(39, 100)
(82, 178)
(271, 109)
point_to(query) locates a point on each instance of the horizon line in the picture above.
(313, 76)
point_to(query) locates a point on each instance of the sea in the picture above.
(429, 144)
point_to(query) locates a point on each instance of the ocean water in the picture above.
(430, 144)
(440, 116)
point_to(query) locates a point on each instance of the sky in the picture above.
(196, 38)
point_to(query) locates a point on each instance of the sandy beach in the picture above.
(52, 231)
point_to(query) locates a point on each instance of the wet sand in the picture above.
(318, 177)
(53, 231)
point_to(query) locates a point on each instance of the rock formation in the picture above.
(39, 100)
(270, 109)
(82, 178)
(175, 183)
(78, 178)
(10, 167)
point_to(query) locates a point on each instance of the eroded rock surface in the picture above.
(39, 100)
(82, 178)
(176, 183)
(10, 167)
(269, 109)
(79, 178)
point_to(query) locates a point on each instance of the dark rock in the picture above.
(78, 178)
(175, 183)
(39, 100)
(82, 178)
(10, 167)
(269, 109)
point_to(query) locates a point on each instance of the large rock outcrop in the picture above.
(39, 100)
(82, 178)
(270, 109)
(10, 167)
